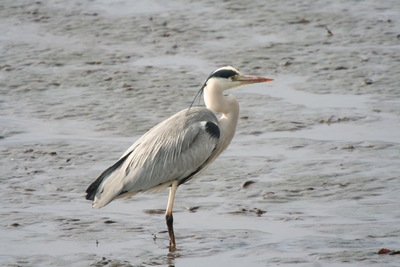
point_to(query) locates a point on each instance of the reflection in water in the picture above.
(171, 258)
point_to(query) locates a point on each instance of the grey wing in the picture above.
(175, 149)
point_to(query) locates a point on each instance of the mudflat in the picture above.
(310, 179)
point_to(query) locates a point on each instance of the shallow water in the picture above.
(81, 81)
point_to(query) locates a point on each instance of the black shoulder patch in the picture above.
(212, 129)
(224, 73)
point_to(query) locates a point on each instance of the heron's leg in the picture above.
(168, 215)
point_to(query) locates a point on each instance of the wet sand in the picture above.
(81, 81)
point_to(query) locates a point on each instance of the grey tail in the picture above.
(92, 189)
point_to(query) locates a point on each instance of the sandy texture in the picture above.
(81, 80)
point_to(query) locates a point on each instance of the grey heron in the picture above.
(177, 149)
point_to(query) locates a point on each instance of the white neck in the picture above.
(225, 105)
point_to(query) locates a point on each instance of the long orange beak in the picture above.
(254, 79)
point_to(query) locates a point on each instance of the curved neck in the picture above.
(217, 101)
(228, 107)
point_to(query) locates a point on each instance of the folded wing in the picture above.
(176, 149)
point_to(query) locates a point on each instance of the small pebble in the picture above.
(192, 209)
(258, 211)
(247, 184)
(368, 81)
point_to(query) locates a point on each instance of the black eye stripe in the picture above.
(224, 73)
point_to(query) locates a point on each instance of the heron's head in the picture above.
(226, 78)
